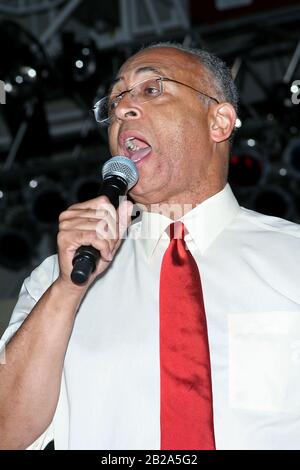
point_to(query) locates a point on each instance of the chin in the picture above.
(144, 191)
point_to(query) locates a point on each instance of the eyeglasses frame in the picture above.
(106, 122)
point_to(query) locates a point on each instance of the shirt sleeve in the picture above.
(41, 442)
(32, 290)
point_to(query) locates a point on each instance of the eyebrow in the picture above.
(138, 71)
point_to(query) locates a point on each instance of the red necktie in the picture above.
(186, 393)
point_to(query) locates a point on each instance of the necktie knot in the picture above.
(176, 231)
(178, 248)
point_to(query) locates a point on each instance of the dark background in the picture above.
(59, 56)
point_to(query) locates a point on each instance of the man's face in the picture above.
(175, 125)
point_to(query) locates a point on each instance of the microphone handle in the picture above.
(86, 257)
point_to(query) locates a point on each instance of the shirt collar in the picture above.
(203, 223)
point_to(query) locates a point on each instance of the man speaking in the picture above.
(185, 335)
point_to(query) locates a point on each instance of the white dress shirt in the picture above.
(249, 266)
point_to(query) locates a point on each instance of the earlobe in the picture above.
(223, 122)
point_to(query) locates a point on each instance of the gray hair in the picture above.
(218, 71)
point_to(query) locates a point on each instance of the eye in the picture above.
(113, 101)
(151, 89)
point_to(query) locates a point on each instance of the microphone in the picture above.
(119, 175)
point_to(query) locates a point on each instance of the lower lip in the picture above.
(139, 161)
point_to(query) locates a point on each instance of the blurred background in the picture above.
(59, 56)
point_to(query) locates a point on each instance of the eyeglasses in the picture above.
(142, 92)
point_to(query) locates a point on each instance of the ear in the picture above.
(222, 122)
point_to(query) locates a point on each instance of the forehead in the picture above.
(174, 63)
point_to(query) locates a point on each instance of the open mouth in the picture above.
(135, 148)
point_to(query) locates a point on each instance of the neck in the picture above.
(177, 206)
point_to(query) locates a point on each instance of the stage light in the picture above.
(31, 73)
(16, 248)
(79, 61)
(24, 64)
(273, 200)
(291, 157)
(47, 205)
(79, 64)
(247, 167)
(280, 96)
(19, 239)
(238, 123)
(85, 63)
(85, 188)
(33, 184)
(25, 70)
(3, 203)
(281, 104)
(45, 200)
(282, 171)
(294, 89)
(22, 82)
(8, 87)
(86, 70)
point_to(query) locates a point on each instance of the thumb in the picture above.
(124, 212)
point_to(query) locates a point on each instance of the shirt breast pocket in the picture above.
(264, 361)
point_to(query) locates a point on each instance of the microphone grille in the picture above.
(121, 166)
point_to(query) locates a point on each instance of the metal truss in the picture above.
(46, 20)
(144, 18)
(137, 18)
(28, 7)
(263, 50)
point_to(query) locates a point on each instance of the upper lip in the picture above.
(130, 133)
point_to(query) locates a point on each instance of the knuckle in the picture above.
(101, 213)
(103, 199)
(105, 205)
(63, 225)
(101, 245)
(62, 216)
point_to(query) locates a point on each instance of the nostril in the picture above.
(131, 113)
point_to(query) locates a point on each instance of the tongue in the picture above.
(140, 154)
(144, 150)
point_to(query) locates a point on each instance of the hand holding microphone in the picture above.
(89, 232)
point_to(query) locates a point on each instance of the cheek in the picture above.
(112, 140)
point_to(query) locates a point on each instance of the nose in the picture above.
(127, 109)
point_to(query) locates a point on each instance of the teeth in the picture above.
(130, 145)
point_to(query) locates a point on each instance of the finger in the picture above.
(71, 241)
(79, 224)
(103, 232)
(95, 203)
(108, 228)
(105, 249)
(124, 213)
(87, 223)
(84, 213)
(101, 228)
